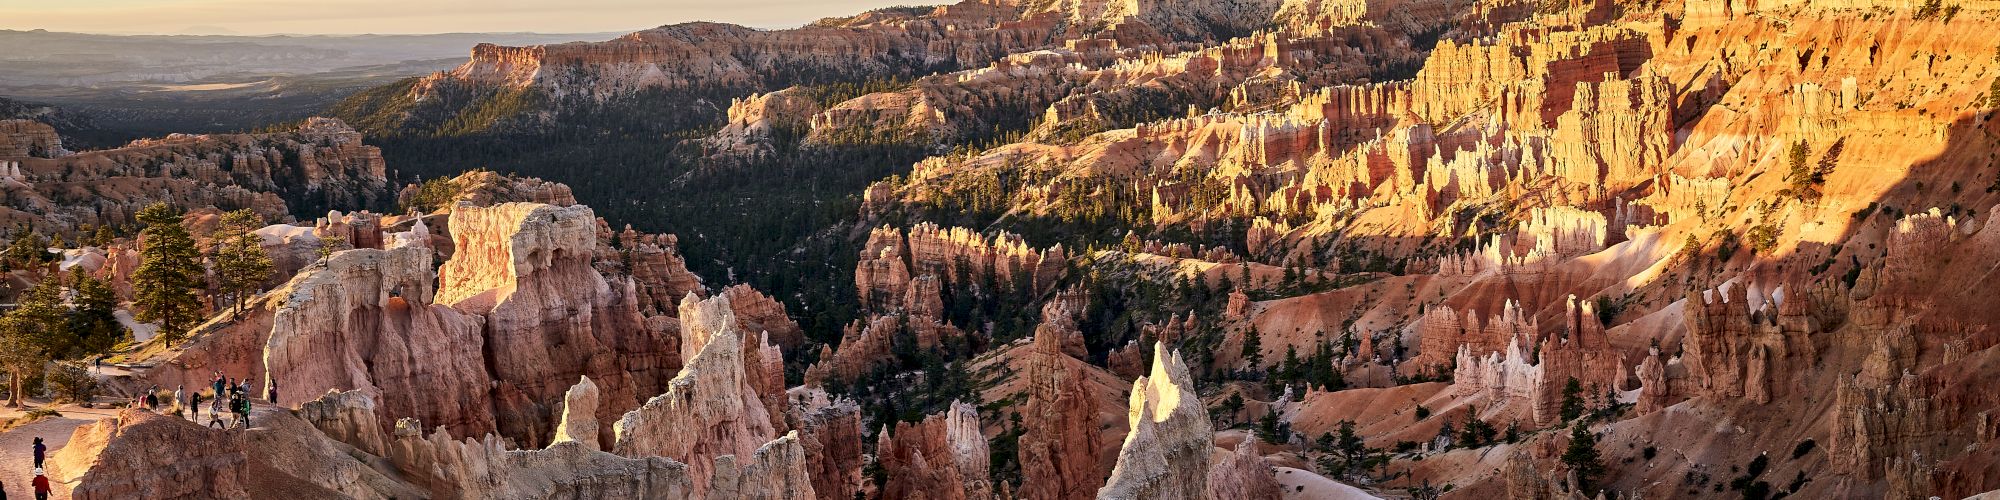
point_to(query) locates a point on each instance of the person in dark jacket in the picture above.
(41, 451)
(271, 391)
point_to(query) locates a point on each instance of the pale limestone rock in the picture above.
(579, 420)
(710, 410)
(1165, 456)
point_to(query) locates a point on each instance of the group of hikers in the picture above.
(235, 392)
(41, 482)
(224, 392)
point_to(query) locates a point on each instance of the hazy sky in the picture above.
(253, 17)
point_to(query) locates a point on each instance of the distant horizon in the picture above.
(273, 35)
(258, 18)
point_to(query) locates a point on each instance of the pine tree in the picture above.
(1253, 349)
(169, 273)
(1572, 400)
(30, 335)
(1582, 456)
(103, 238)
(18, 357)
(27, 249)
(94, 321)
(241, 265)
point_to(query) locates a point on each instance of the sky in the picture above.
(258, 17)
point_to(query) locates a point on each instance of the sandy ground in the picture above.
(1302, 485)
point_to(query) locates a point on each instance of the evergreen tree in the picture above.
(169, 273)
(1253, 349)
(1582, 456)
(31, 334)
(103, 237)
(26, 250)
(94, 321)
(1572, 400)
(241, 265)
(18, 357)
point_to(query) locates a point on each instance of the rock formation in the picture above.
(119, 457)
(710, 410)
(1243, 474)
(943, 457)
(23, 138)
(319, 165)
(579, 418)
(1166, 453)
(1058, 454)
(831, 436)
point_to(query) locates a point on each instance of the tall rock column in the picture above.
(1058, 453)
(1165, 456)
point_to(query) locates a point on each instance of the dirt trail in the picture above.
(17, 457)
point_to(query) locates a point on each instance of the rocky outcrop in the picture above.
(943, 457)
(1243, 474)
(23, 138)
(708, 55)
(761, 314)
(1059, 452)
(890, 261)
(755, 120)
(831, 436)
(485, 469)
(579, 418)
(365, 320)
(710, 410)
(1443, 331)
(1734, 351)
(121, 457)
(322, 164)
(659, 273)
(1166, 452)
(550, 316)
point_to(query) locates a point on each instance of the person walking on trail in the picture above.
(271, 391)
(41, 452)
(41, 485)
(215, 416)
(194, 406)
(152, 400)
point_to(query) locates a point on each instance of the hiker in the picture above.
(41, 485)
(152, 401)
(41, 451)
(271, 391)
(243, 411)
(215, 416)
(218, 384)
(194, 406)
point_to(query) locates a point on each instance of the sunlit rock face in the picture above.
(1166, 453)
